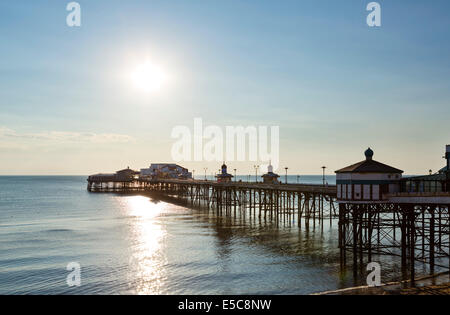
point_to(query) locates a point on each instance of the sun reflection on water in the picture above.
(148, 258)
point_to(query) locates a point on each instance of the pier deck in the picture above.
(142, 184)
(398, 225)
(296, 201)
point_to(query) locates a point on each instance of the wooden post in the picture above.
(412, 244)
(432, 238)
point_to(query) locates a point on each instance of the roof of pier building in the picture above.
(127, 170)
(369, 166)
(271, 175)
(433, 177)
(224, 173)
(102, 177)
(167, 165)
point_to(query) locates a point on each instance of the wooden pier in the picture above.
(378, 211)
(415, 230)
(413, 227)
(268, 201)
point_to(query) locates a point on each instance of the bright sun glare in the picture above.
(148, 77)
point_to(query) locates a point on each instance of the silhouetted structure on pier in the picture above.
(381, 213)
(311, 202)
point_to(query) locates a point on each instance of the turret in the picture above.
(224, 168)
(270, 177)
(447, 170)
(447, 157)
(224, 177)
(369, 154)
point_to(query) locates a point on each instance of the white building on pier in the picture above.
(166, 170)
(367, 181)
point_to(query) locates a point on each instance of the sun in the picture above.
(148, 77)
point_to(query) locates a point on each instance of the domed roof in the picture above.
(369, 153)
(370, 166)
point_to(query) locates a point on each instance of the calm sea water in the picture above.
(140, 245)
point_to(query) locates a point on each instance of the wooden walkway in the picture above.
(298, 201)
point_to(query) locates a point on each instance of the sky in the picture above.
(333, 85)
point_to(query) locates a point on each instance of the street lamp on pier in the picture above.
(235, 178)
(286, 168)
(205, 169)
(256, 172)
(323, 177)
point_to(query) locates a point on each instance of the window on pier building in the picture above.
(366, 192)
(349, 192)
(422, 186)
(384, 188)
(376, 192)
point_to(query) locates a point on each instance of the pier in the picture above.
(379, 212)
(269, 201)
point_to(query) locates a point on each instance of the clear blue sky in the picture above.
(313, 67)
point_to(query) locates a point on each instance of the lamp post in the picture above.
(447, 171)
(205, 169)
(286, 168)
(323, 177)
(256, 172)
(193, 174)
(235, 179)
(298, 179)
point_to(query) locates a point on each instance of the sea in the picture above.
(139, 244)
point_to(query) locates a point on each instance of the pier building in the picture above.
(381, 213)
(224, 177)
(270, 177)
(125, 175)
(165, 170)
(367, 180)
(434, 183)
